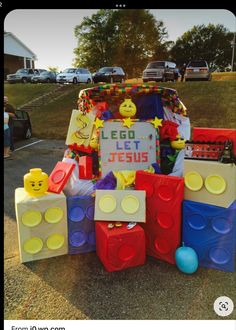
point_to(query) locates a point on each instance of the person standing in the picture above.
(11, 111)
(6, 135)
(182, 71)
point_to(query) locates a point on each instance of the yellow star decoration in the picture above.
(127, 122)
(98, 123)
(156, 122)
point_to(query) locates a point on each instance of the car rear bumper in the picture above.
(197, 76)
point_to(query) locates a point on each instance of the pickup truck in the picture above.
(23, 75)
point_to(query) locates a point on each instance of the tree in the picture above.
(211, 43)
(129, 38)
(140, 39)
(96, 43)
(53, 69)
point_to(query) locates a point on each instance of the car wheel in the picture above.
(24, 80)
(74, 80)
(48, 80)
(28, 133)
(89, 81)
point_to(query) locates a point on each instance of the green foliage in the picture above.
(53, 69)
(211, 43)
(129, 38)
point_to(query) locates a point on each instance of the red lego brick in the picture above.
(59, 176)
(85, 168)
(120, 248)
(164, 196)
(206, 134)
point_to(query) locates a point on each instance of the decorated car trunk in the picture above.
(128, 166)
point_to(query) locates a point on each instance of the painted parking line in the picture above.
(28, 145)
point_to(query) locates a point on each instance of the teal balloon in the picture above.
(186, 259)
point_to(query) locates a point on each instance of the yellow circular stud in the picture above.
(215, 184)
(31, 218)
(107, 204)
(55, 241)
(130, 204)
(33, 245)
(53, 214)
(193, 181)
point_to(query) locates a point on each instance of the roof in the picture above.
(14, 46)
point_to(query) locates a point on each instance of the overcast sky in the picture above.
(49, 33)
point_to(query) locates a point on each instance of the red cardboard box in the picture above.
(120, 248)
(164, 196)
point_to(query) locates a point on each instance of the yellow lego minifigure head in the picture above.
(36, 182)
(127, 108)
(178, 143)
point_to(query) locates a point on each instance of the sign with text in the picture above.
(123, 148)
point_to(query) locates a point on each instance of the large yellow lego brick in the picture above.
(120, 205)
(41, 225)
(209, 182)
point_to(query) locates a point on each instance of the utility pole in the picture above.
(232, 45)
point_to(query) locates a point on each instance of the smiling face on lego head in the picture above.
(178, 143)
(36, 182)
(127, 108)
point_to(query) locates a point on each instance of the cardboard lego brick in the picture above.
(164, 196)
(41, 225)
(207, 134)
(211, 231)
(120, 248)
(80, 128)
(120, 205)
(85, 168)
(59, 177)
(81, 224)
(209, 182)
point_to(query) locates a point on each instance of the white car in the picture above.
(75, 75)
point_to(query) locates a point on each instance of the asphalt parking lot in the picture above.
(76, 287)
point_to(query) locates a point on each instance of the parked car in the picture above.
(74, 75)
(197, 70)
(159, 71)
(44, 77)
(109, 74)
(22, 128)
(23, 75)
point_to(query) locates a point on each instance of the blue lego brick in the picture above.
(211, 231)
(81, 225)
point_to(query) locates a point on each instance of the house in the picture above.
(16, 54)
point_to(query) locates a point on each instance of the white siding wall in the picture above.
(12, 47)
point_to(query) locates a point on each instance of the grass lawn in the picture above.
(209, 104)
(19, 94)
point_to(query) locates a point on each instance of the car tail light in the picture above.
(189, 70)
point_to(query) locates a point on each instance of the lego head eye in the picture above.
(40, 184)
(32, 184)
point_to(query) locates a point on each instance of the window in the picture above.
(198, 64)
(155, 65)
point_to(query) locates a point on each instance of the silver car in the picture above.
(159, 71)
(197, 70)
